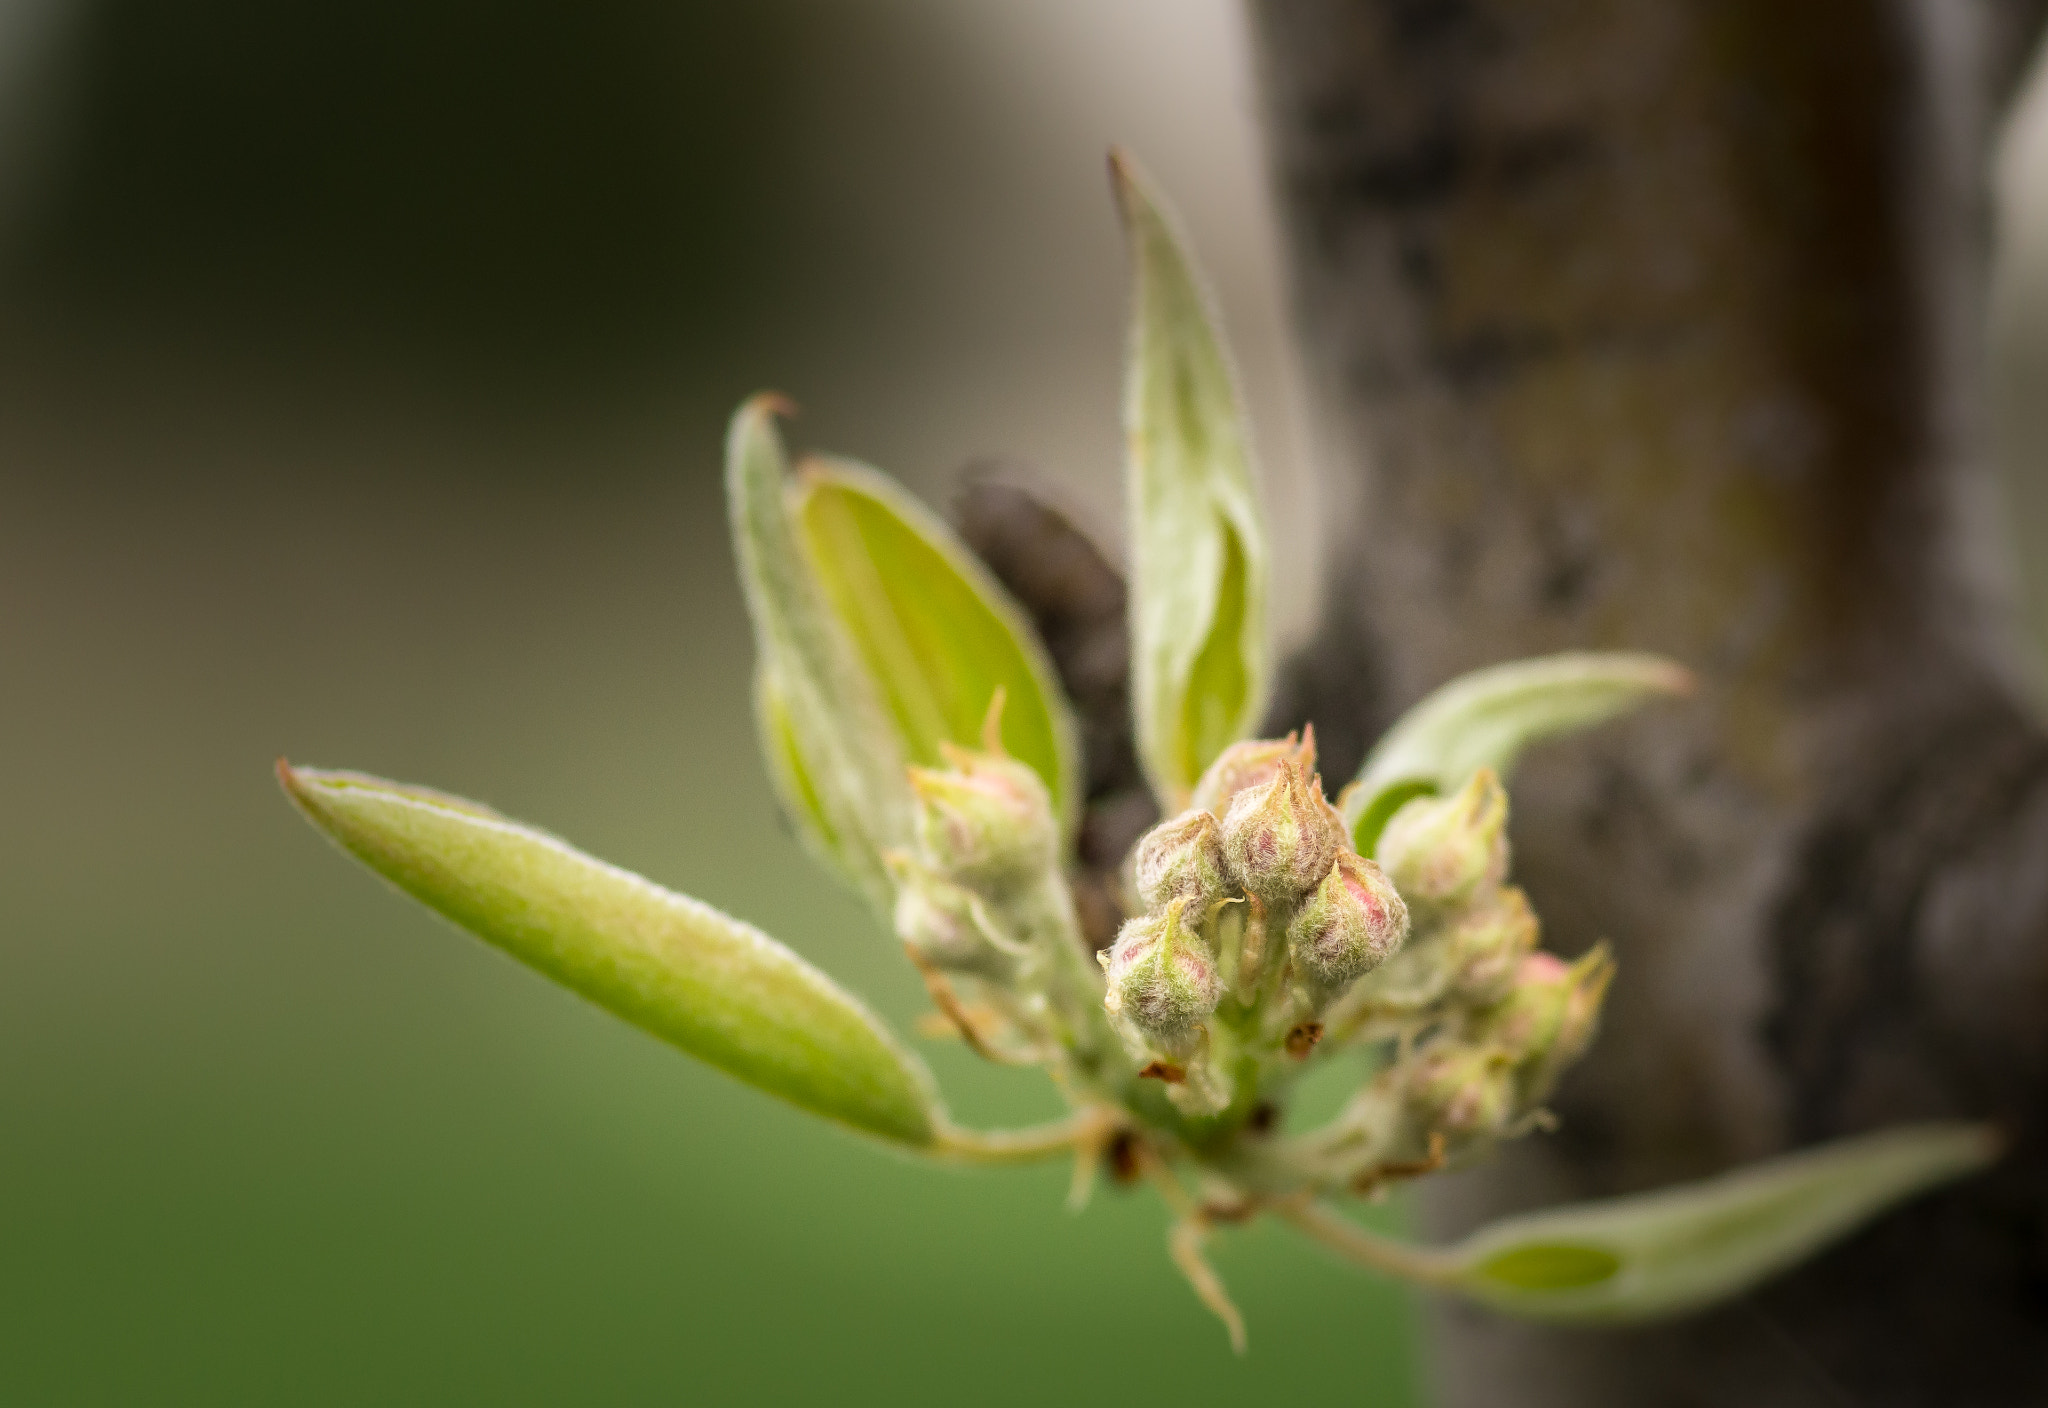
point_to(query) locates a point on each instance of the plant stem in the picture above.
(1083, 1129)
(1352, 1242)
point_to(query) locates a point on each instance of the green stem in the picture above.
(1352, 1242)
(1021, 1146)
(1044, 913)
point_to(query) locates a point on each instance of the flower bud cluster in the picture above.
(1253, 898)
(1486, 1021)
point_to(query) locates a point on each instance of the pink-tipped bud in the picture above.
(1182, 859)
(1162, 976)
(1462, 1090)
(1550, 1018)
(947, 925)
(1281, 837)
(985, 820)
(1487, 943)
(1252, 763)
(1351, 924)
(1440, 850)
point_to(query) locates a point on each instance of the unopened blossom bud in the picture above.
(947, 924)
(1350, 925)
(1527, 1020)
(1441, 849)
(1462, 1090)
(1162, 976)
(1487, 943)
(1550, 1018)
(1182, 859)
(1252, 763)
(1280, 839)
(985, 820)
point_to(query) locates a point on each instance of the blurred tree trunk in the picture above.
(1655, 324)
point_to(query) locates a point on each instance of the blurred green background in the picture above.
(363, 370)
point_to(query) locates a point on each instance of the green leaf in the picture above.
(937, 632)
(834, 755)
(1485, 720)
(1198, 549)
(719, 989)
(1668, 1252)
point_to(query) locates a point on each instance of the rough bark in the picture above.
(1651, 324)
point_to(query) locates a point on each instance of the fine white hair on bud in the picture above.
(1181, 859)
(1162, 976)
(1281, 838)
(1350, 925)
(1251, 763)
(984, 820)
(1441, 850)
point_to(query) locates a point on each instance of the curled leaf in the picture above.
(1659, 1254)
(1198, 547)
(835, 757)
(936, 631)
(1485, 719)
(679, 969)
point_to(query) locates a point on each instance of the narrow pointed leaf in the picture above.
(1198, 547)
(821, 720)
(1485, 720)
(1664, 1253)
(719, 989)
(936, 631)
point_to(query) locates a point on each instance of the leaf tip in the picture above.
(1131, 188)
(298, 783)
(1670, 677)
(764, 404)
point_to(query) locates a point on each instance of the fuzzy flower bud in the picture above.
(1487, 943)
(1281, 838)
(985, 820)
(1441, 849)
(1182, 859)
(947, 925)
(1162, 976)
(1252, 763)
(1550, 1018)
(1462, 1090)
(1350, 925)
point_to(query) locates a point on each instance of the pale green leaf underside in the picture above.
(1664, 1253)
(711, 985)
(822, 721)
(1487, 718)
(786, 770)
(1198, 561)
(937, 632)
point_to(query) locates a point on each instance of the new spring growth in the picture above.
(879, 633)
(1441, 850)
